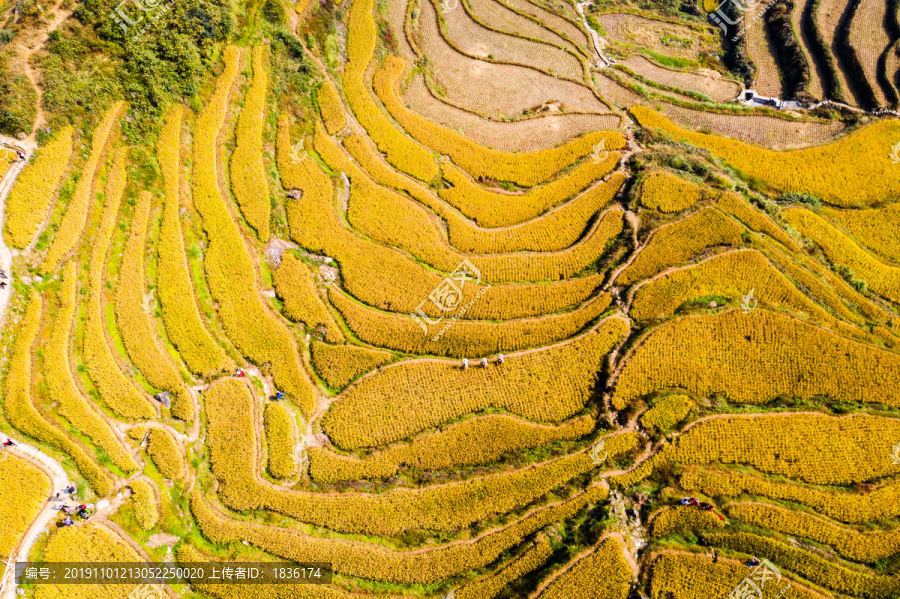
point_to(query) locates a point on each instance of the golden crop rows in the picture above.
(166, 452)
(736, 206)
(814, 448)
(401, 151)
(546, 385)
(247, 321)
(847, 294)
(603, 574)
(553, 232)
(294, 282)
(462, 338)
(35, 189)
(396, 221)
(331, 108)
(472, 442)
(817, 569)
(882, 503)
(338, 365)
(22, 494)
(732, 276)
(144, 503)
(853, 545)
(186, 553)
(526, 169)
(756, 357)
(387, 279)
(866, 177)
(79, 206)
(498, 209)
(136, 324)
(116, 389)
(663, 191)
(18, 403)
(248, 173)
(667, 412)
(62, 389)
(677, 242)
(446, 508)
(177, 298)
(814, 281)
(281, 440)
(683, 518)
(881, 278)
(377, 562)
(428, 474)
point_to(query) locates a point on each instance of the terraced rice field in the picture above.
(670, 38)
(391, 289)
